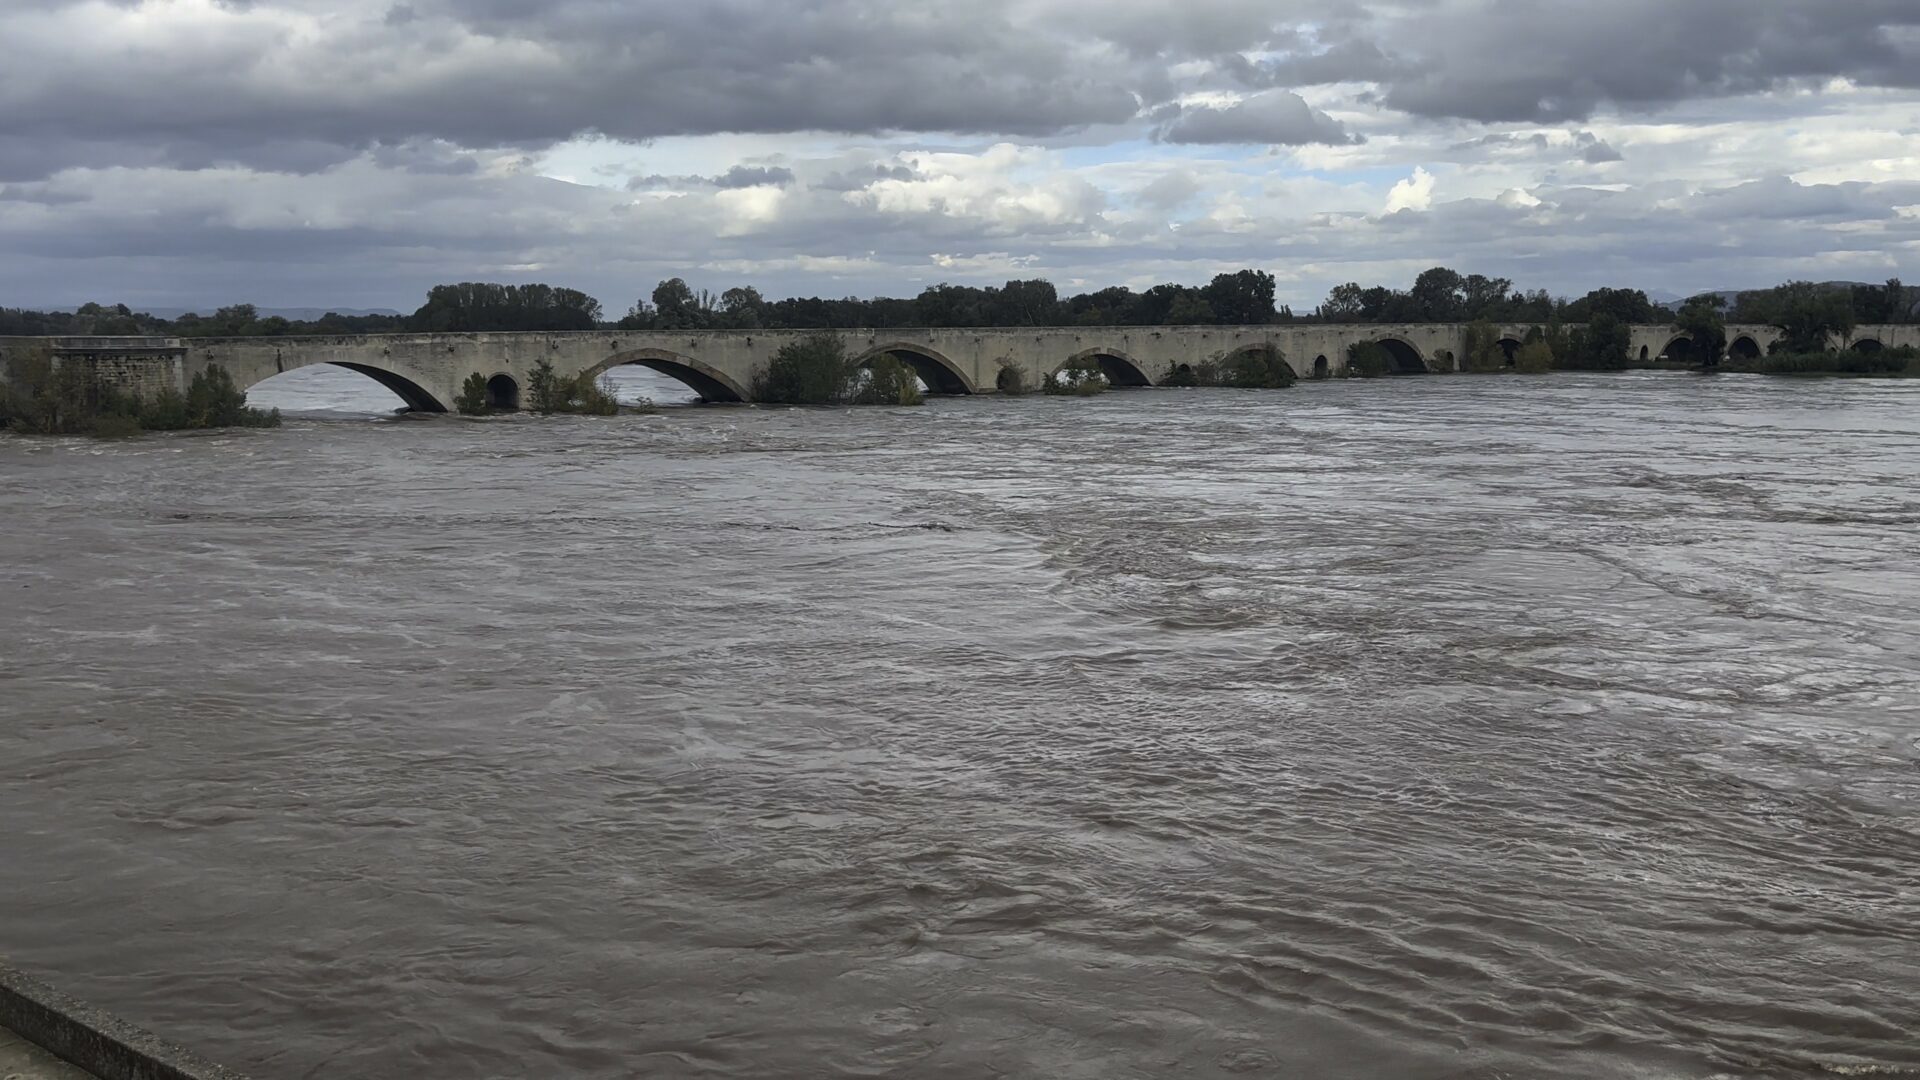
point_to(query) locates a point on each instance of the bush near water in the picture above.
(42, 397)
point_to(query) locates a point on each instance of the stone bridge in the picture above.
(427, 370)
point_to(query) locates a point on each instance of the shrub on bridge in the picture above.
(214, 401)
(547, 392)
(1079, 378)
(1263, 367)
(1200, 373)
(1482, 353)
(1012, 380)
(472, 399)
(887, 381)
(1534, 358)
(812, 371)
(1368, 360)
(591, 397)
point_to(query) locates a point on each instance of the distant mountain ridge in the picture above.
(1674, 300)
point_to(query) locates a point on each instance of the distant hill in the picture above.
(292, 314)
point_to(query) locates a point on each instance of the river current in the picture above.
(1471, 727)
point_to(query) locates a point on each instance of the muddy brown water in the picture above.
(1462, 727)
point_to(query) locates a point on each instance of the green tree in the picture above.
(1026, 303)
(1481, 352)
(888, 382)
(1439, 295)
(1189, 309)
(1080, 377)
(1701, 320)
(741, 308)
(677, 307)
(1368, 360)
(1534, 358)
(472, 399)
(476, 306)
(1344, 304)
(547, 392)
(812, 371)
(1260, 367)
(1242, 298)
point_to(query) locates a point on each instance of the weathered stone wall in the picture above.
(128, 373)
(143, 366)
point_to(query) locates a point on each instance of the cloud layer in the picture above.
(355, 151)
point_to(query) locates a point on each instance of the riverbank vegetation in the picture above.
(1880, 362)
(43, 397)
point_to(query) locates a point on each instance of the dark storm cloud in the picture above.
(1271, 117)
(1548, 61)
(300, 85)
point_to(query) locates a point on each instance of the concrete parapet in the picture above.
(102, 1044)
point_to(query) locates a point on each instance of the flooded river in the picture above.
(1452, 727)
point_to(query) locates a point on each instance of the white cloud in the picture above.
(1413, 193)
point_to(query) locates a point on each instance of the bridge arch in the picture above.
(1406, 357)
(503, 392)
(1320, 368)
(1868, 345)
(940, 374)
(1680, 348)
(411, 394)
(1119, 368)
(1510, 350)
(1744, 348)
(709, 382)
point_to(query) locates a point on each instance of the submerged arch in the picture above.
(1117, 366)
(402, 387)
(1406, 358)
(709, 382)
(939, 373)
(309, 379)
(503, 392)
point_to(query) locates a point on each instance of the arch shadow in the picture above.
(709, 382)
(1118, 367)
(1406, 359)
(938, 372)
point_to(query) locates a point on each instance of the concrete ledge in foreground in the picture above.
(106, 1046)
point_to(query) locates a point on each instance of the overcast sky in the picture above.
(354, 152)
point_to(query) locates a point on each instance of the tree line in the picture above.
(1245, 297)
